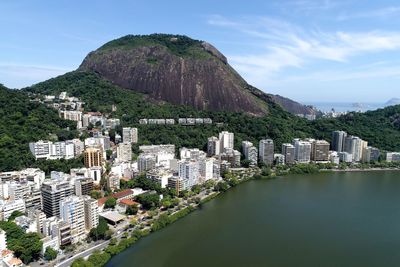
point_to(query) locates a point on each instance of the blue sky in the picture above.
(323, 50)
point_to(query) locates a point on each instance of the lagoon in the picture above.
(326, 219)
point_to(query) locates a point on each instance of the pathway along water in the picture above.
(327, 219)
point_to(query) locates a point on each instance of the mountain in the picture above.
(23, 121)
(292, 106)
(102, 81)
(100, 94)
(392, 102)
(179, 70)
(380, 127)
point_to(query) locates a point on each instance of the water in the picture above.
(331, 219)
(344, 107)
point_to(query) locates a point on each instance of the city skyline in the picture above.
(339, 51)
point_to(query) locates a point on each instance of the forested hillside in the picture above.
(380, 128)
(23, 121)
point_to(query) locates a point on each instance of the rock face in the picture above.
(175, 69)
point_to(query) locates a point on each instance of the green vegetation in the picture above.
(132, 210)
(23, 121)
(101, 232)
(110, 203)
(178, 45)
(26, 246)
(14, 215)
(50, 254)
(148, 201)
(380, 128)
(62, 165)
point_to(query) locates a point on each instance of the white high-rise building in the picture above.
(206, 167)
(189, 170)
(302, 151)
(91, 213)
(192, 153)
(146, 162)
(355, 146)
(226, 140)
(338, 140)
(40, 149)
(288, 150)
(7, 207)
(130, 135)
(213, 146)
(72, 211)
(124, 152)
(250, 152)
(266, 150)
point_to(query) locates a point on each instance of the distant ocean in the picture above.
(342, 107)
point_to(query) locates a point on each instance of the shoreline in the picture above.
(188, 210)
(365, 170)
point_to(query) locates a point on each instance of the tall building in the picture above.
(266, 151)
(345, 157)
(124, 152)
(225, 140)
(53, 192)
(189, 170)
(338, 140)
(178, 183)
(232, 156)
(206, 168)
(7, 207)
(40, 149)
(288, 150)
(355, 145)
(72, 211)
(370, 154)
(213, 146)
(91, 212)
(250, 152)
(302, 152)
(320, 150)
(83, 186)
(129, 135)
(93, 156)
(146, 162)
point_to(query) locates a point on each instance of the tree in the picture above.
(50, 254)
(99, 259)
(81, 263)
(246, 163)
(109, 153)
(149, 201)
(101, 231)
(221, 187)
(132, 209)
(95, 194)
(26, 246)
(14, 215)
(110, 203)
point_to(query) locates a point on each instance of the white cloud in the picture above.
(18, 76)
(289, 46)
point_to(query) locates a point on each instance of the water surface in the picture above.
(331, 219)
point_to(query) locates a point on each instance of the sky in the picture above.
(310, 51)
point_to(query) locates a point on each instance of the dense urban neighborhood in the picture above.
(119, 195)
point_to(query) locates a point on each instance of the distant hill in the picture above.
(392, 102)
(180, 70)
